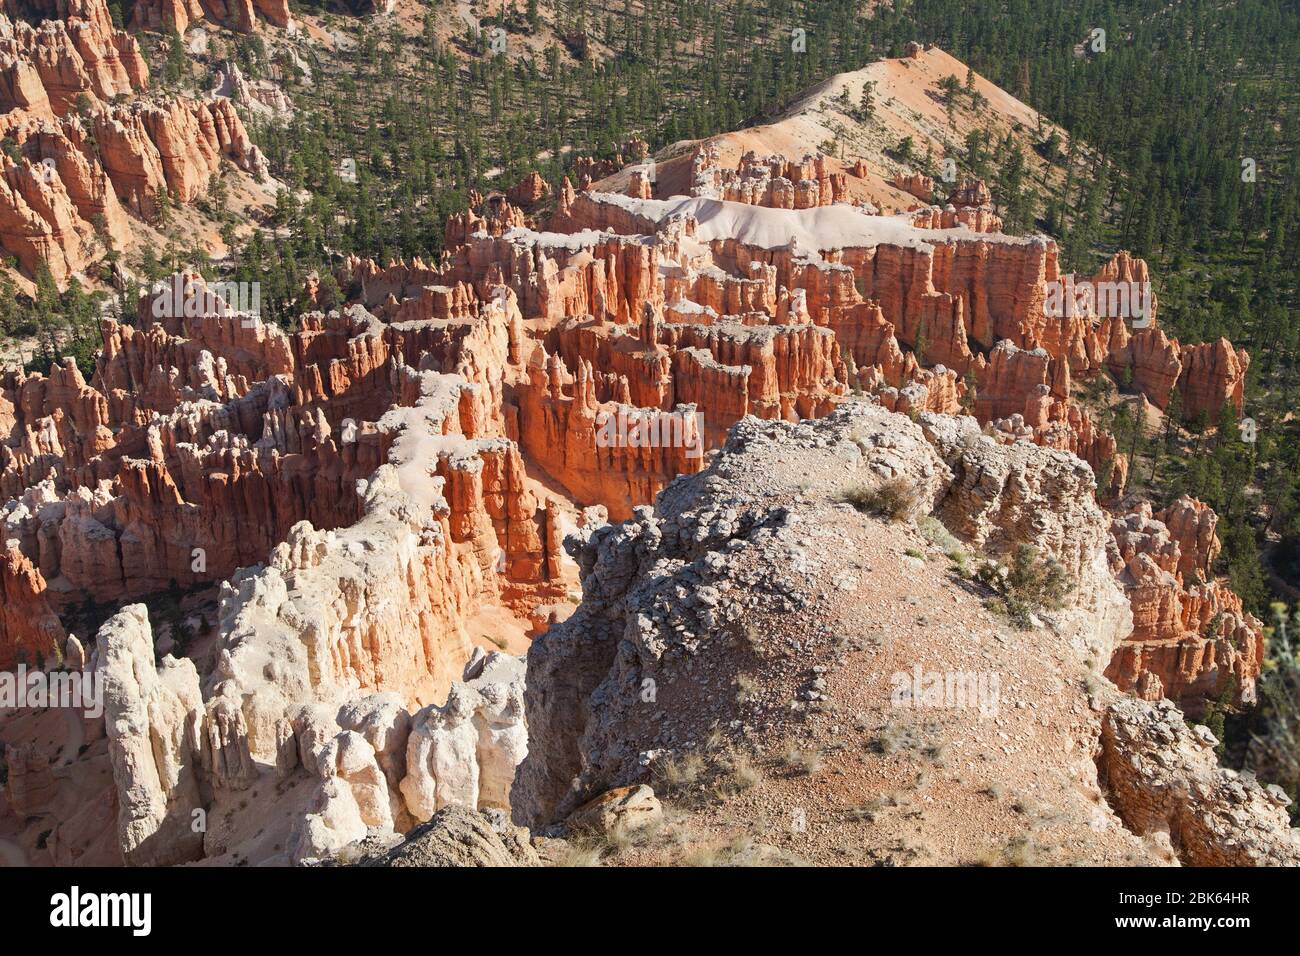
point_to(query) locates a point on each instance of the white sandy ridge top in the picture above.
(839, 226)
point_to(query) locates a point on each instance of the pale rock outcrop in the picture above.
(1004, 496)
(458, 836)
(314, 726)
(442, 756)
(502, 734)
(386, 726)
(31, 785)
(658, 594)
(622, 810)
(225, 754)
(334, 822)
(74, 654)
(260, 96)
(153, 716)
(329, 614)
(466, 751)
(1164, 779)
(351, 759)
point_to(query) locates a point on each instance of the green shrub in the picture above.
(1030, 583)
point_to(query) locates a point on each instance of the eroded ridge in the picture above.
(716, 628)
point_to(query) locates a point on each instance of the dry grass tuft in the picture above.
(746, 688)
(800, 760)
(907, 737)
(679, 773)
(894, 499)
(582, 851)
(744, 774)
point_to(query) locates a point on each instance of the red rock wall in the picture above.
(1191, 640)
(236, 14)
(228, 467)
(29, 630)
(48, 69)
(77, 170)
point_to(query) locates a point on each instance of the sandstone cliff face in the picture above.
(1025, 396)
(88, 155)
(176, 146)
(947, 289)
(176, 470)
(563, 433)
(237, 14)
(32, 630)
(1208, 376)
(333, 622)
(1165, 779)
(771, 181)
(1214, 375)
(47, 69)
(1191, 640)
(922, 187)
(38, 222)
(497, 215)
(377, 508)
(529, 190)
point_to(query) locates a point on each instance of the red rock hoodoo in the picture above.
(92, 150)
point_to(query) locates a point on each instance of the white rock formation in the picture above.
(374, 605)
(152, 716)
(465, 753)
(385, 724)
(442, 756)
